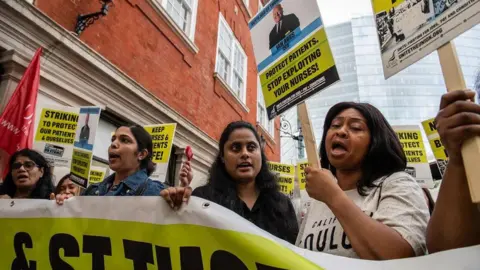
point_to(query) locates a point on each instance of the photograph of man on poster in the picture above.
(85, 132)
(284, 24)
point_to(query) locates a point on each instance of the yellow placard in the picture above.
(80, 167)
(412, 144)
(287, 184)
(385, 5)
(57, 127)
(308, 60)
(283, 169)
(162, 137)
(96, 176)
(301, 174)
(434, 139)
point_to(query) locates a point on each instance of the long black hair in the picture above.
(219, 177)
(44, 186)
(385, 154)
(144, 142)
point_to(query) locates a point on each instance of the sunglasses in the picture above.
(28, 165)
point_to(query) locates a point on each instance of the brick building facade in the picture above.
(146, 61)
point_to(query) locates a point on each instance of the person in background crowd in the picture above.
(366, 205)
(455, 222)
(29, 177)
(130, 156)
(66, 186)
(241, 181)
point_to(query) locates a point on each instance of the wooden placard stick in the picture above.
(454, 80)
(308, 135)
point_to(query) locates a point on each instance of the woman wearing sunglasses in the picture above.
(29, 177)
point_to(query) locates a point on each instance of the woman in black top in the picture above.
(241, 181)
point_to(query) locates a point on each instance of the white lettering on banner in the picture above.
(93, 243)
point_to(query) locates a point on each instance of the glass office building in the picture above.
(407, 98)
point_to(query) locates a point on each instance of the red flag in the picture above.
(17, 120)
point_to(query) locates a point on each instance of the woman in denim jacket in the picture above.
(130, 156)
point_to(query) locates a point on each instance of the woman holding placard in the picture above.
(455, 221)
(365, 205)
(29, 177)
(130, 156)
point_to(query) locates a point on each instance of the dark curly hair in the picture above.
(385, 155)
(44, 186)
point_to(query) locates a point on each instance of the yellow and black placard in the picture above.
(57, 127)
(280, 168)
(412, 144)
(96, 175)
(304, 71)
(434, 139)
(286, 176)
(162, 137)
(301, 174)
(80, 168)
(287, 184)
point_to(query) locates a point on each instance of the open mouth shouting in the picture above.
(245, 167)
(339, 149)
(112, 157)
(22, 178)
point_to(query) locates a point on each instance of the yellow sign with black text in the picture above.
(80, 168)
(97, 174)
(57, 127)
(285, 169)
(418, 167)
(434, 139)
(301, 174)
(162, 138)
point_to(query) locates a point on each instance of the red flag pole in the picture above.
(17, 119)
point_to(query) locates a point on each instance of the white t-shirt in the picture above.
(398, 203)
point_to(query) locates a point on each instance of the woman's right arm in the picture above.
(455, 222)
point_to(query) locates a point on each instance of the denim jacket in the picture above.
(128, 187)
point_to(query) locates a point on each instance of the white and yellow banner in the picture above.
(144, 233)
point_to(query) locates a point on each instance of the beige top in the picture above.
(399, 203)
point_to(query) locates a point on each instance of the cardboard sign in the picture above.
(408, 30)
(292, 51)
(417, 164)
(301, 174)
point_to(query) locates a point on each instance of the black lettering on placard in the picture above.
(158, 129)
(309, 237)
(157, 155)
(345, 245)
(438, 143)
(191, 258)
(221, 258)
(321, 248)
(332, 245)
(164, 261)
(20, 262)
(432, 126)
(140, 253)
(98, 246)
(70, 249)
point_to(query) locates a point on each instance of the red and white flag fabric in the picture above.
(17, 120)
